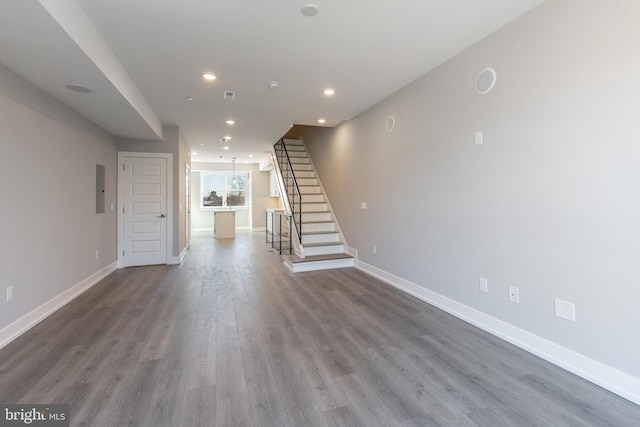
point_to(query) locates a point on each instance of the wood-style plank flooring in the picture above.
(231, 338)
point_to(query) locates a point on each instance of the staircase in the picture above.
(321, 244)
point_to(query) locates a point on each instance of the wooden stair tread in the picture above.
(311, 233)
(317, 245)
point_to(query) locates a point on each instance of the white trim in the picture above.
(35, 316)
(263, 229)
(328, 264)
(352, 251)
(178, 259)
(598, 373)
(120, 219)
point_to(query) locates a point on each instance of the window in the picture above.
(224, 189)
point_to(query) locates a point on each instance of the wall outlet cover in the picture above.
(478, 138)
(565, 310)
(483, 284)
(514, 294)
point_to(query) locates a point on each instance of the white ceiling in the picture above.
(143, 58)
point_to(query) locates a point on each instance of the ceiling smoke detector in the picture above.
(229, 95)
(309, 9)
(273, 85)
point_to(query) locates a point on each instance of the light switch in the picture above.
(363, 206)
(478, 138)
(483, 284)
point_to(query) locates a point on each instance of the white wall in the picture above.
(550, 203)
(48, 225)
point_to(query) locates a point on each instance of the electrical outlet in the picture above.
(10, 294)
(514, 295)
(483, 284)
(374, 249)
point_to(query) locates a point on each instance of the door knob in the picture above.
(161, 216)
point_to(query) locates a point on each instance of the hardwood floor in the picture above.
(231, 338)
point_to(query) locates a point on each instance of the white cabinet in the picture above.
(273, 184)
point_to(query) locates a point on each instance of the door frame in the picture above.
(120, 217)
(187, 202)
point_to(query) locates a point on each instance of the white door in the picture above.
(144, 214)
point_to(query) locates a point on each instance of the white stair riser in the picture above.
(319, 226)
(297, 155)
(320, 238)
(323, 250)
(305, 174)
(288, 141)
(310, 190)
(314, 207)
(311, 217)
(299, 160)
(300, 267)
(302, 167)
(313, 198)
(306, 181)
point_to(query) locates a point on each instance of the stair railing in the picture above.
(290, 184)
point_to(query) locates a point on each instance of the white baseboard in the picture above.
(29, 320)
(353, 252)
(616, 381)
(178, 259)
(263, 229)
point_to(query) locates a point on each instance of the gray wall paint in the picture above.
(48, 225)
(173, 142)
(550, 203)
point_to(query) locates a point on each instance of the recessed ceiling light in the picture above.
(226, 147)
(80, 89)
(322, 121)
(189, 98)
(230, 122)
(194, 154)
(273, 85)
(309, 9)
(201, 144)
(250, 155)
(329, 91)
(209, 76)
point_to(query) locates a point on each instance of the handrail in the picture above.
(277, 230)
(293, 190)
